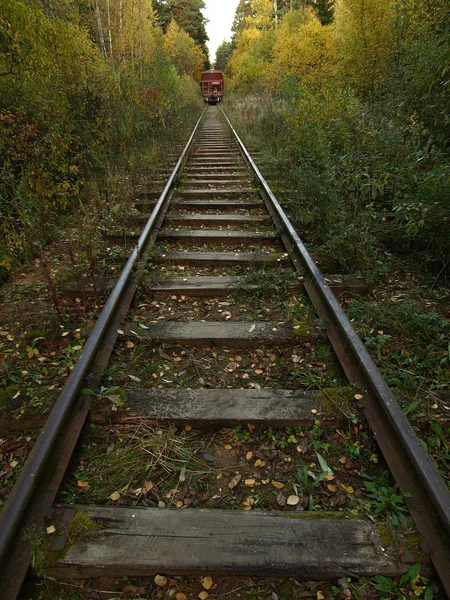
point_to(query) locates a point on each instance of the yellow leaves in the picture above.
(207, 582)
(249, 482)
(6, 264)
(31, 352)
(332, 487)
(115, 496)
(228, 446)
(203, 595)
(348, 489)
(277, 484)
(320, 596)
(249, 455)
(183, 52)
(83, 485)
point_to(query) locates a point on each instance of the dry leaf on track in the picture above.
(207, 582)
(233, 483)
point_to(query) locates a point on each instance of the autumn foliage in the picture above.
(350, 100)
(82, 84)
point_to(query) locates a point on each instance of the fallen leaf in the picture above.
(332, 488)
(281, 499)
(320, 596)
(277, 484)
(148, 486)
(248, 503)
(207, 582)
(293, 500)
(348, 489)
(160, 580)
(180, 596)
(130, 345)
(259, 371)
(187, 427)
(250, 482)
(228, 446)
(82, 484)
(233, 483)
(249, 455)
(51, 529)
(203, 595)
(135, 590)
(114, 496)
(358, 396)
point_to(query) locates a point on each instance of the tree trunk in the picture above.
(100, 29)
(109, 29)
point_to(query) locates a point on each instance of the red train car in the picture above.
(212, 86)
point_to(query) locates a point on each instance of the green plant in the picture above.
(116, 399)
(385, 501)
(411, 584)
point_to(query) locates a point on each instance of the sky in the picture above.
(220, 14)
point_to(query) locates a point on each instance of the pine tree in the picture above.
(324, 10)
(223, 55)
(188, 14)
(243, 11)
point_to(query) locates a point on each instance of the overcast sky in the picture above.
(220, 14)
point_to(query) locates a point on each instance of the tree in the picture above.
(365, 32)
(324, 10)
(188, 14)
(223, 54)
(243, 11)
(183, 52)
(262, 16)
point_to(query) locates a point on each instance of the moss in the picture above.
(80, 527)
(336, 401)
(325, 515)
(413, 543)
(387, 534)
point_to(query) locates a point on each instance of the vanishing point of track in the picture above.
(214, 185)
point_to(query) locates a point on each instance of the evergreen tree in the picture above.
(223, 54)
(324, 10)
(243, 11)
(188, 14)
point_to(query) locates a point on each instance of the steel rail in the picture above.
(437, 491)
(20, 496)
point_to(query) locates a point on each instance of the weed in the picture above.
(386, 502)
(409, 584)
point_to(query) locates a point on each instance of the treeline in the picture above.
(352, 101)
(83, 83)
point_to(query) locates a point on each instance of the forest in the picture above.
(86, 86)
(350, 100)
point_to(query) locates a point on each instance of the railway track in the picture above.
(220, 232)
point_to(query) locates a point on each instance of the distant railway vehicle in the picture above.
(212, 86)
